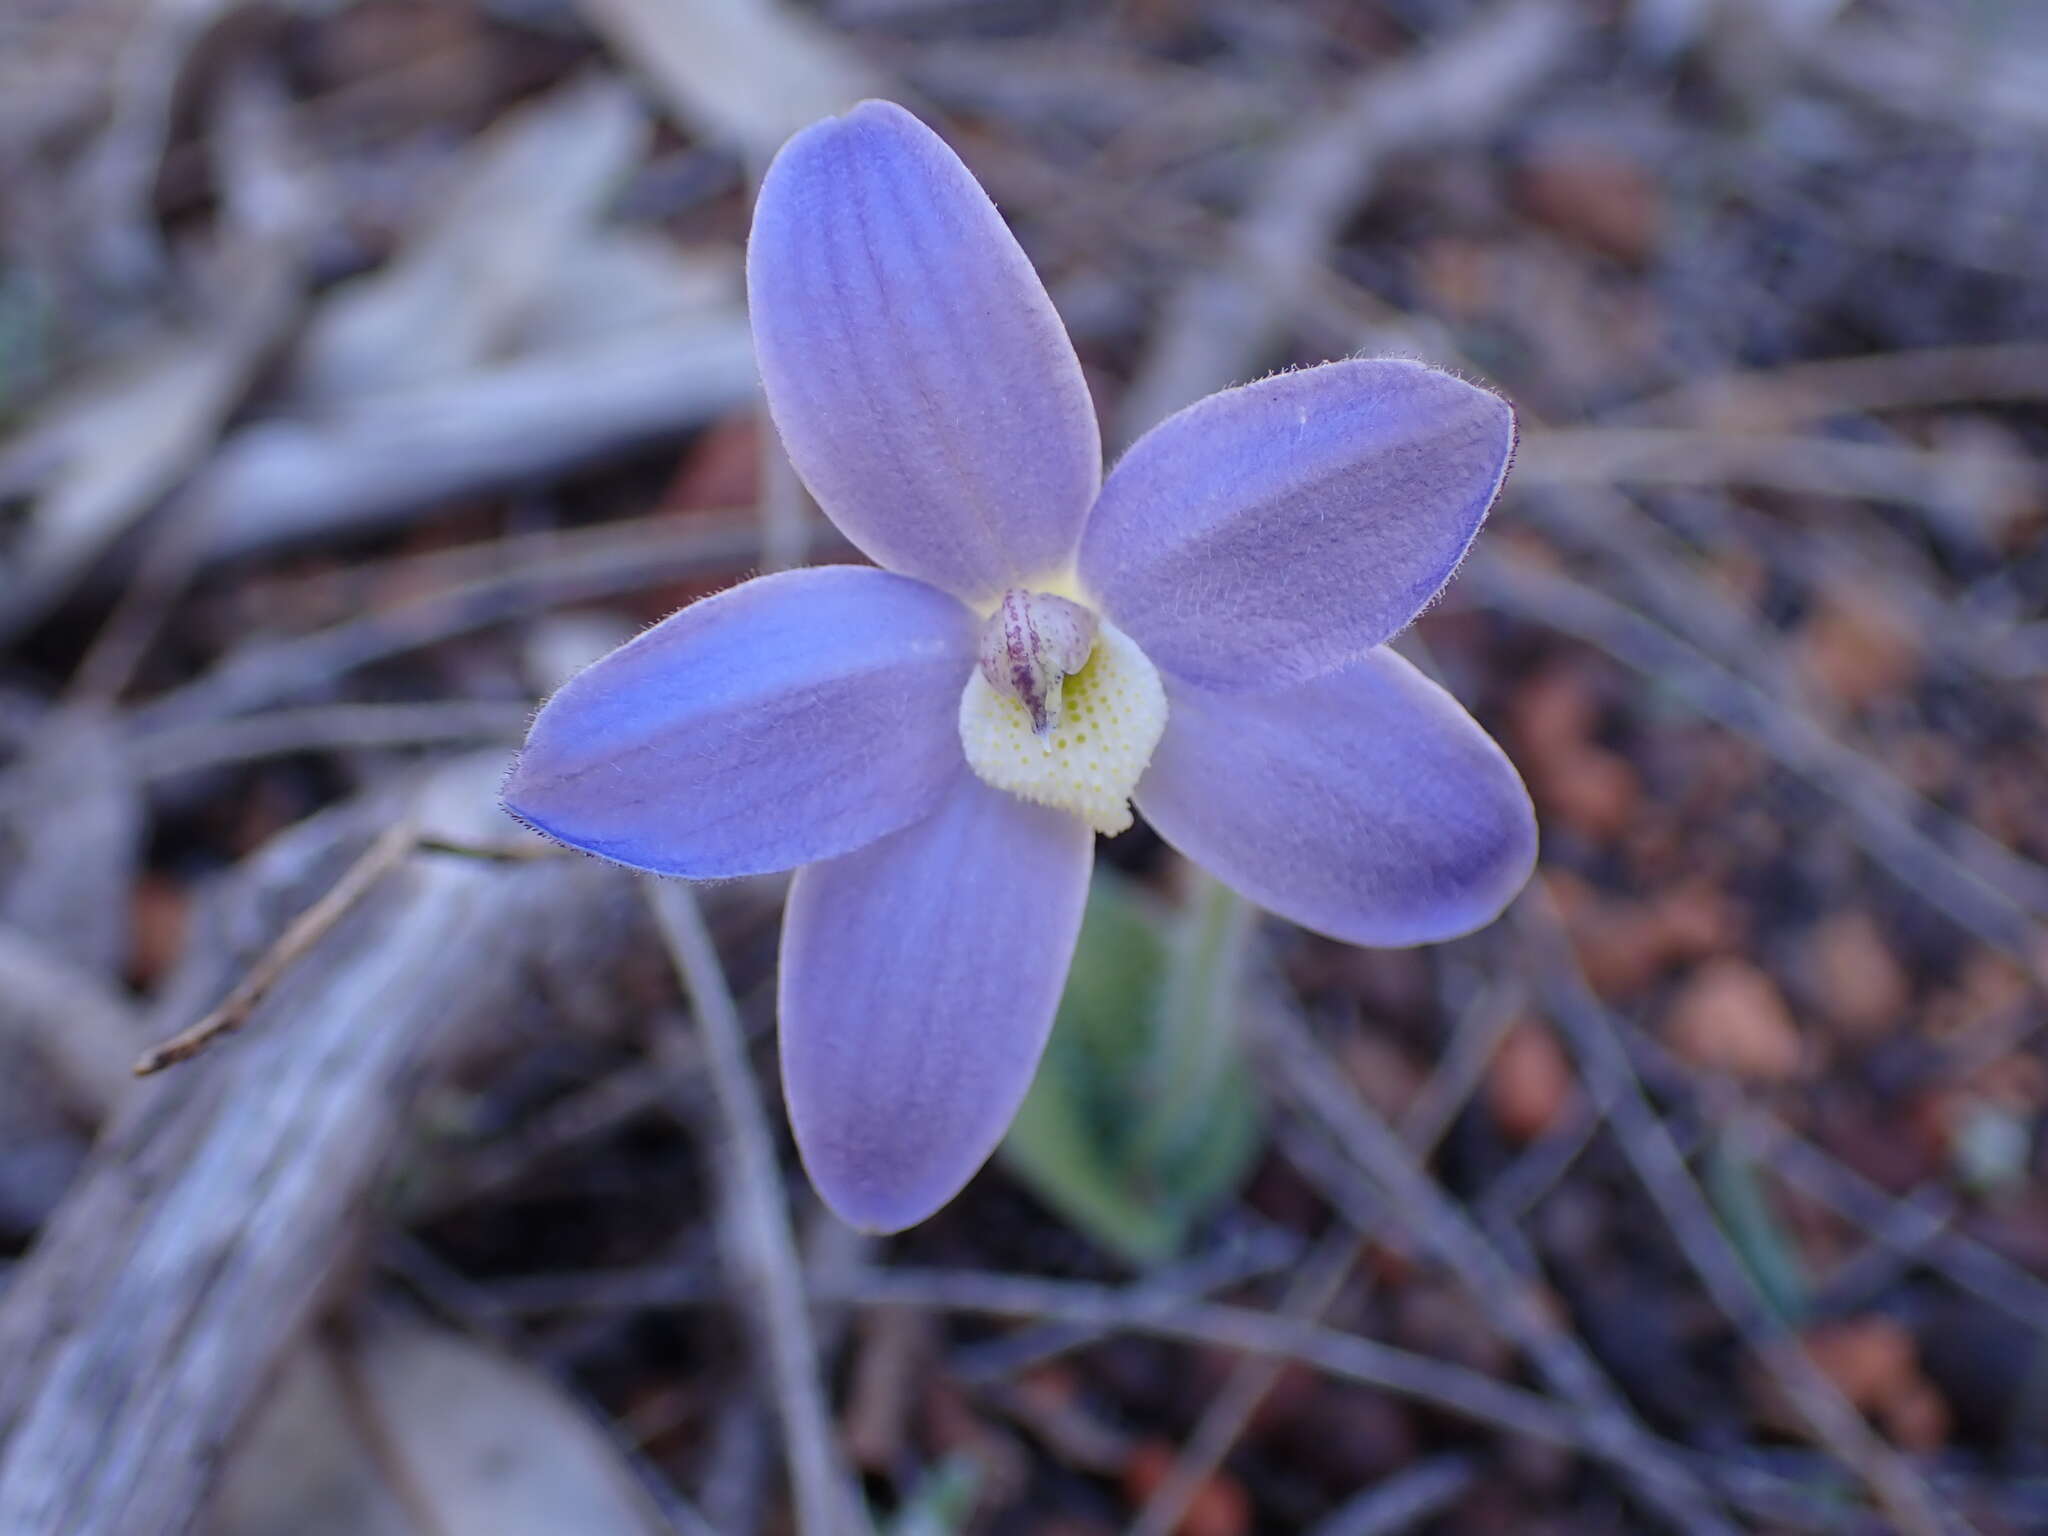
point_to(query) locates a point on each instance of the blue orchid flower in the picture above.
(934, 745)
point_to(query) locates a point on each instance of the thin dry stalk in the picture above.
(766, 1272)
(270, 211)
(577, 1117)
(1220, 324)
(327, 728)
(1647, 1143)
(1806, 466)
(1782, 398)
(527, 577)
(1165, 1315)
(1313, 1080)
(998, 1359)
(384, 855)
(1321, 1277)
(79, 1024)
(1983, 886)
(1315, 1286)
(1907, 1229)
(1404, 1500)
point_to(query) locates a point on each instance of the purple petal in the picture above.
(921, 380)
(1271, 533)
(1366, 804)
(919, 980)
(795, 717)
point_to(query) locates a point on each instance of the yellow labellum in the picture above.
(1112, 711)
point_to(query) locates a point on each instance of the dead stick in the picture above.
(307, 929)
(1315, 1287)
(1666, 1486)
(1661, 1169)
(766, 1271)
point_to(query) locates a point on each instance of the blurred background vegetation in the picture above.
(366, 366)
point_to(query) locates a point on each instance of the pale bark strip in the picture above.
(190, 1254)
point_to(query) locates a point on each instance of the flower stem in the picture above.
(1200, 1005)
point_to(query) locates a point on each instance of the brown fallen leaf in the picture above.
(1856, 647)
(1575, 780)
(1385, 1075)
(1529, 1083)
(1624, 947)
(1597, 196)
(893, 1345)
(722, 468)
(1874, 1362)
(1219, 1507)
(1552, 715)
(487, 1446)
(1595, 792)
(1918, 1419)
(1867, 1358)
(1730, 1017)
(159, 909)
(1856, 981)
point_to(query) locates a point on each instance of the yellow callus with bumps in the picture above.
(1064, 709)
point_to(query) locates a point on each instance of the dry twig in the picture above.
(1317, 1284)
(326, 728)
(1217, 325)
(1806, 466)
(1792, 396)
(1314, 1287)
(1906, 1228)
(1659, 1165)
(1262, 1252)
(384, 855)
(1611, 1428)
(531, 575)
(1983, 886)
(1348, 1357)
(187, 1259)
(765, 1271)
(1403, 1501)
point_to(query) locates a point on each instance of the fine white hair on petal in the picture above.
(1113, 711)
(794, 717)
(1275, 532)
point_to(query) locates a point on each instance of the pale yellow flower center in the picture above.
(1099, 704)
